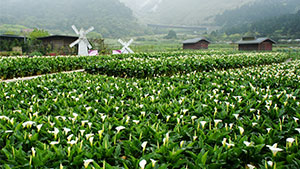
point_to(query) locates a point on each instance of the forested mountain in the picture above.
(274, 18)
(116, 18)
(109, 17)
(181, 12)
(257, 11)
(285, 26)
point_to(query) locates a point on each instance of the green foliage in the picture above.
(7, 45)
(170, 64)
(14, 29)
(171, 35)
(35, 45)
(23, 66)
(37, 33)
(98, 44)
(136, 65)
(35, 54)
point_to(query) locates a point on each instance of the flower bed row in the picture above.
(235, 118)
(13, 67)
(136, 65)
(149, 67)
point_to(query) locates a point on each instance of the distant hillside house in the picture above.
(259, 44)
(27, 31)
(197, 43)
(58, 42)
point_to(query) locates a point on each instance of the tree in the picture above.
(35, 45)
(94, 35)
(36, 33)
(171, 35)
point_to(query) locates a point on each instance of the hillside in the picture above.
(274, 18)
(257, 11)
(179, 12)
(109, 17)
(285, 26)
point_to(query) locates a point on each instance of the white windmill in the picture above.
(83, 43)
(125, 49)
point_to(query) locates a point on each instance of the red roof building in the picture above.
(196, 44)
(258, 44)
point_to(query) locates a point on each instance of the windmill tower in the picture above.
(83, 43)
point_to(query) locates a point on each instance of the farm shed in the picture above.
(9, 42)
(259, 44)
(12, 37)
(197, 43)
(58, 42)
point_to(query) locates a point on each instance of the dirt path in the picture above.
(34, 77)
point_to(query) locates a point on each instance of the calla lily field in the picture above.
(194, 110)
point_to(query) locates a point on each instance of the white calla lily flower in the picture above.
(290, 141)
(250, 166)
(54, 142)
(274, 149)
(142, 164)
(28, 124)
(87, 162)
(241, 130)
(217, 121)
(144, 144)
(153, 162)
(33, 151)
(236, 116)
(248, 144)
(120, 128)
(203, 124)
(39, 127)
(270, 163)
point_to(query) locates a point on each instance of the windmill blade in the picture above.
(127, 46)
(129, 43)
(129, 50)
(120, 41)
(90, 46)
(124, 51)
(74, 43)
(75, 29)
(89, 30)
(87, 43)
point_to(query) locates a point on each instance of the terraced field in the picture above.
(189, 110)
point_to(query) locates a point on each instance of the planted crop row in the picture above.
(13, 67)
(225, 119)
(23, 66)
(149, 67)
